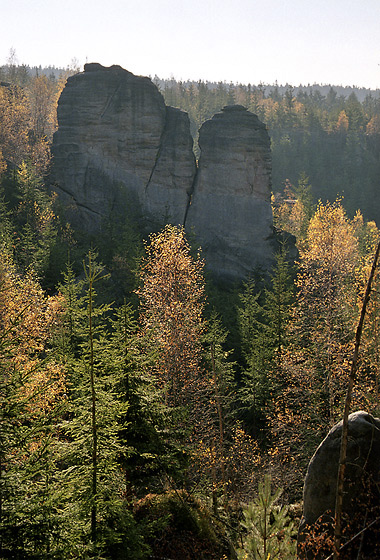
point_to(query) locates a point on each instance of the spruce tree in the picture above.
(31, 401)
(99, 523)
(143, 456)
(264, 329)
(277, 313)
(270, 532)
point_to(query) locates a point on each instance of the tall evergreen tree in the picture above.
(92, 449)
(31, 390)
(264, 329)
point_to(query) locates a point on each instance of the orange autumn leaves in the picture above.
(171, 297)
(27, 322)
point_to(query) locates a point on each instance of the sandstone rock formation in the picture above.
(230, 209)
(361, 490)
(118, 145)
(116, 139)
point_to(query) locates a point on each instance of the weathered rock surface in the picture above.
(118, 145)
(116, 139)
(230, 209)
(361, 490)
(170, 185)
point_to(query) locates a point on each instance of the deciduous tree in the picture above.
(32, 384)
(171, 299)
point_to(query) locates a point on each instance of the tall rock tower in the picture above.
(230, 210)
(118, 144)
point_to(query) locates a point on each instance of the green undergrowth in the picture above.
(178, 526)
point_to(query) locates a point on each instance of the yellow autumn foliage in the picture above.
(171, 303)
(27, 322)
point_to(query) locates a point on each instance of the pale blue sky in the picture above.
(291, 41)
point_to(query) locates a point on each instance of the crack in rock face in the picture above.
(119, 146)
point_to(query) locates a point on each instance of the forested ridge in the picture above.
(145, 411)
(334, 138)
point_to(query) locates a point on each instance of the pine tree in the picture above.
(144, 456)
(277, 309)
(95, 510)
(264, 329)
(254, 390)
(270, 533)
(35, 221)
(6, 226)
(249, 313)
(213, 426)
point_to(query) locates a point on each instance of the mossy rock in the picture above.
(178, 526)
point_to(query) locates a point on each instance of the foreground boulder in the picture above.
(361, 503)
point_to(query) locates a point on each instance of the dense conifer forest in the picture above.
(146, 412)
(332, 137)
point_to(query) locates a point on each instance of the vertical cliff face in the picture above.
(230, 209)
(169, 187)
(117, 143)
(117, 140)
